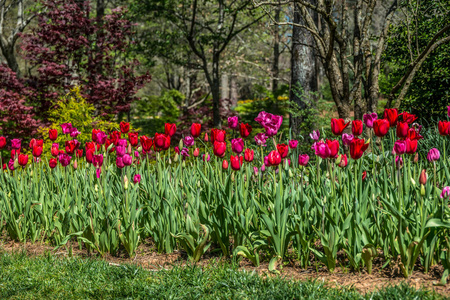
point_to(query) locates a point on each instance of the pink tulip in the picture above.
(97, 160)
(303, 159)
(119, 162)
(137, 179)
(64, 159)
(233, 122)
(445, 191)
(188, 141)
(261, 139)
(433, 154)
(101, 137)
(315, 135)
(369, 119)
(322, 150)
(16, 144)
(293, 144)
(399, 147)
(127, 160)
(237, 145)
(66, 128)
(347, 138)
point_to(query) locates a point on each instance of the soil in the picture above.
(148, 258)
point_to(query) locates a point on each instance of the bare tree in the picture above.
(10, 30)
(350, 48)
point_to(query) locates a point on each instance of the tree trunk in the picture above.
(215, 91)
(224, 89)
(276, 51)
(8, 53)
(233, 90)
(303, 75)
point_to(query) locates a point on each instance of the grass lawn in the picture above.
(49, 277)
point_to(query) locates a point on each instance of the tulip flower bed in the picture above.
(357, 198)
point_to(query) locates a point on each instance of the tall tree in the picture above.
(350, 48)
(205, 27)
(303, 73)
(10, 11)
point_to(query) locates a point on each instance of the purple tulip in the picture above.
(233, 122)
(433, 154)
(119, 162)
(347, 138)
(261, 139)
(399, 147)
(237, 145)
(16, 144)
(445, 192)
(122, 143)
(137, 179)
(121, 150)
(66, 128)
(322, 150)
(185, 152)
(11, 164)
(101, 137)
(315, 135)
(303, 159)
(271, 123)
(188, 141)
(127, 160)
(369, 119)
(74, 132)
(208, 157)
(64, 159)
(293, 144)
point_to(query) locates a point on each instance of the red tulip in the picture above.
(283, 149)
(161, 141)
(391, 114)
(195, 129)
(338, 126)
(92, 145)
(245, 130)
(408, 118)
(364, 175)
(52, 134)
(114, 137)
(170, 129)
(218, 135)
(219, 148)
(79, 153)
(274, 158)
(381, 127)
(37, 151)
(334, 147)
(249, 154)
(357, 148)
(2, 142)
(146, 143)
(342, 161)
(124, 127)
(414, 135)
(52, 162)
(35, 142)
(423, 177)
(94, 134)
(411, 146)
(236, 162)
(55, 150)
(402, 129)
(23, 160)
(14, 153)
(133, 138)
(225, 164)
(89, 155)
(444, 127)
(196, 152)
(71, 146)
(357, 127)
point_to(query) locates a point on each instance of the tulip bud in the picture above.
(196, 152)
(423, 177)
(110, 147)
(232, 176)
(16, 163)
(290, 173)
(31, 173)
(175, 159)
(422, 190)
(183, 164)
(263, 168)
(75, 164)
(170, 161)
(181, 144)
(416, 158)
(286, 164)
(139, 149)
(129, 149)
(96, 188)
(181, 183)
(225, 164)
(198, 183)
(206, 137)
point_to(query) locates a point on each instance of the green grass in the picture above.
(48, 277)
